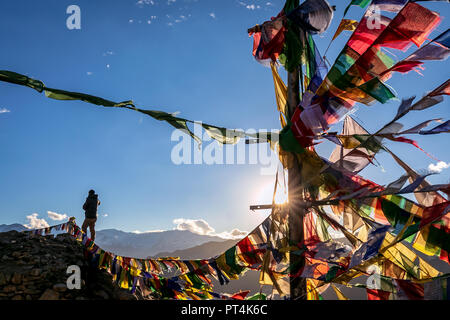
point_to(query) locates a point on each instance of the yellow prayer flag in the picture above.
(421, 244)
(346, 24)
(426, 270)
(280, 93)
(311, 291)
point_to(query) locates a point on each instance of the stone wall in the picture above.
(34, 268)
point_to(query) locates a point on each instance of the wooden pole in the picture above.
(295, 193)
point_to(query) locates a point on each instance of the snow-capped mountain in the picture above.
(142, 245)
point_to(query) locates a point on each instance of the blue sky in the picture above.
(192, 56)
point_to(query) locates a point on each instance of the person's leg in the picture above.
(85, 225)
(92, 228)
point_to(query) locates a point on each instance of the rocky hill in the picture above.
(34, 268)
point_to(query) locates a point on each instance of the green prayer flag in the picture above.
(258, 296)
(288, 142)
(377, 89)
(361, 3)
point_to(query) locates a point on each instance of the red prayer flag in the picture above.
(240, 295)
(414, 291)
(373, 294)
(412, 24)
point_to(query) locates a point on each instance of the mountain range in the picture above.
(143, 245)
(10, 227)
(152, 244)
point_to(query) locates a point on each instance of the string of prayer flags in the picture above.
(48, 230)
(437, 49)
(220, 134)
(431, 99)
(349, 77)
(445, 127)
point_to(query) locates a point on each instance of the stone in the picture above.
(122, 295)
(30, 291)
(49, 294)
(60, 287)
(102, 294)
(9, 289)
(16, 278)
(8, 277)
(17, 297)
(2, 279)
(28, 297)
(35, 272)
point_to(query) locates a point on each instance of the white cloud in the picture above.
(89, 73)
(212, 15)
(104, 215)
(233, 234)
(57, 216)
(438, 167)
(202, 227)
(4, 110)
(150, 231)
(145, 2)
(199, 226)
(130, 21)
(35, 223)
(251, 6)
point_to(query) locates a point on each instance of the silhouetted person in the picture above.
(90, 212)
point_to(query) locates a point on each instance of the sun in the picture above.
(265, 194)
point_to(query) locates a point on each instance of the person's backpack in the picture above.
(91, 204)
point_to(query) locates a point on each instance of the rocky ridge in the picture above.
(34, 267)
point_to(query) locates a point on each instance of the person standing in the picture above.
(90, 212)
